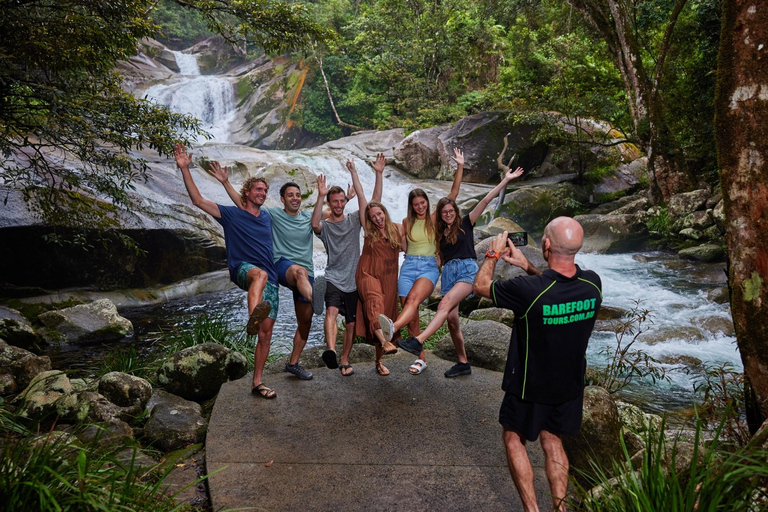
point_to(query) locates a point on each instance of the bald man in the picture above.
(555, 312)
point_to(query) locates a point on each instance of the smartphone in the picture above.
(519, 238)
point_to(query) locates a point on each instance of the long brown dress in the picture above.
(376, 279)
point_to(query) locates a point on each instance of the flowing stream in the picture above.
(685, 332)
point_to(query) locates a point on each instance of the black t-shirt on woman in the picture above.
(465, 243)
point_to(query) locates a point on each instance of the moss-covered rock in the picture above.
(197, 373)
(97, 321)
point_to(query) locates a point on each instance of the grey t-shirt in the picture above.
(342, 243)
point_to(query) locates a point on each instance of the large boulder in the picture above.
(506, 271)
(125, 390)
(38, 400)
(16, 330)
(173, 422)
(22, 364)
(532, 207)
(481, 137)
(598, 440)
(486, 342)
(501, 315)
(418, 153)
(706, 253)
(680, 205)
(625, 178)
(613, 233)
(197, 373)
(97, 321)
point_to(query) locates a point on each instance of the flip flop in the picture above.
(329, 358)
(263, 391)
(259, 313)
(346, 367)
(381, 369)
(418, 366)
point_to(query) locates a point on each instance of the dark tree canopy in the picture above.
(66, 125)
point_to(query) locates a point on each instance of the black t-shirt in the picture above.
(554, 317)
(465, 243)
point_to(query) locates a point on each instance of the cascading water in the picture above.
(208, 98)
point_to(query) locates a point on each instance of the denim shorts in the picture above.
(413, 268)
(270, 293)
(282, 265)
(458, 271)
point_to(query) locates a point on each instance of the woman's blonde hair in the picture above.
(411, 218)
(372, 232)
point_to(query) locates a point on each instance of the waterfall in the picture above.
(208, 98)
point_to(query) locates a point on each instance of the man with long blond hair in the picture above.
(248, 239)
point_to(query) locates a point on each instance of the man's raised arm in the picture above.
(222, 175)
(361, 201)
(317, 213)
(183, 160)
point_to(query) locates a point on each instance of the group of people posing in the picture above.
(268, 246)
(555, 310)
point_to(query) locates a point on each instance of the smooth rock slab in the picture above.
(97, 321)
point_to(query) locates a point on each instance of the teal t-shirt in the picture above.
(292, 237)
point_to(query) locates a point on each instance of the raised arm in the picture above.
(183, 160)
(222, 175)
(480, 207)
(317, 213)
(458, 157)
(378, 170)
(361, 201)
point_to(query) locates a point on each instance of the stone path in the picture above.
(365, 442)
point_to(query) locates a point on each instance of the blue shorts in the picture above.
(282, 265)
(270, 293)
(413, 268)
(458, 271)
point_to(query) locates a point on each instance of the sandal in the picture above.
(329, 358)
(381, 369)
(263, 391)
(418, 366)
(259, 313)
(343, 367)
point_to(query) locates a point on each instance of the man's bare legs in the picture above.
(520, 468)
(331, 330)
(262, 349)
(257, 280)
(346, 348)
(556, 462)
(304, 321)
(298, 277)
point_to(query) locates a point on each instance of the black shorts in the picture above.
(530, 418)
(346, 302)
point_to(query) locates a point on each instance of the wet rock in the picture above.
(611, 313)
(719, 295)
(501, 315)
(417, 154)
(611, 206)
(692, 234)
(716, 325)
(16, 330)
(97, 321)
(613, 233)
(107, 435)
(22, 364)
(625, 178)
(486, 342)
(500, 224)
(681, 205)
(688, 334)
(598, 439)
(174, 422)
(481, 137)
(636, 420)
(197, 373)
(125, 390)
(705, 252)
(638, 205)
(682, 360)
(38, 400)
(8, 385)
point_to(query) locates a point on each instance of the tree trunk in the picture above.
(613, 21)
(741, 123)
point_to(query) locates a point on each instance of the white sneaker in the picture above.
(387, 327)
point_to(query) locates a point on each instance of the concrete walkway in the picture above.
(365, 442)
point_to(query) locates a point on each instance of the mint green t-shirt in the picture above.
(292, 236)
